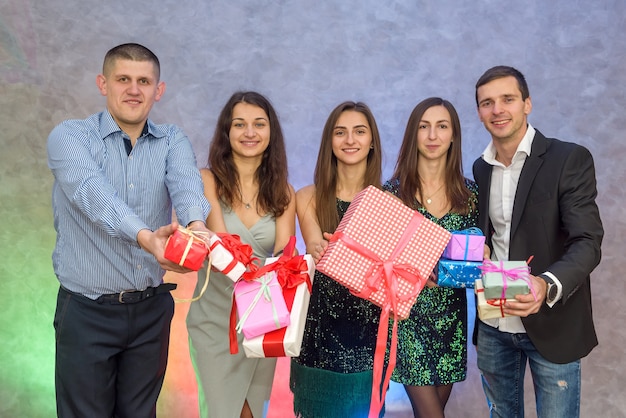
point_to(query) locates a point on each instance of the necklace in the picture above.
(429, 199)
(247, 204)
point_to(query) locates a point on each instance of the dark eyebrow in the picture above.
(356, 126)
(261, 118)
(438, 121)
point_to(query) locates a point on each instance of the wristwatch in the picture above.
(552, 290)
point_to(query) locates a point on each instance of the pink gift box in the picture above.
(286, 342)
(261, 306)
(466, 245)
(379, 234)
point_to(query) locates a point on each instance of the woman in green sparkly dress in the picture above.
(432, 342)
(332, 377)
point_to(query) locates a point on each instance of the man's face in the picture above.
(131, 88)
(502, 110)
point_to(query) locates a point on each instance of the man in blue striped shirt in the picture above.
(117, 176)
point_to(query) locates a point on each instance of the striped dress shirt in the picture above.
(102, 197)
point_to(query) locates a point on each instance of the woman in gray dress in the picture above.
(247, 187)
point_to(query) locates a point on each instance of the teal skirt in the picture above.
(320, 393)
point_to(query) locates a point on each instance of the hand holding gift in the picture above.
(511, 283)
(530, 303)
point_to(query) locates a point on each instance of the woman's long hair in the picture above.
(325, 177)
(271, 175)
(407, 165)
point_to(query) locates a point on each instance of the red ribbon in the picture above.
(383, 274)
(241, 252)
(495, 302)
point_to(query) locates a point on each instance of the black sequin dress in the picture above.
(432, 342)
(332, 377)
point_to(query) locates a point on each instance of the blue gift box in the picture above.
(461, 274)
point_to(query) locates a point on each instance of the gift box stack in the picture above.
(383, 251)
(272, 303)
(461, 260)
(501, 281)
(295, 278)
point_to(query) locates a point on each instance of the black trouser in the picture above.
(110, 358)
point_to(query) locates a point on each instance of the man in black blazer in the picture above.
(536, 199)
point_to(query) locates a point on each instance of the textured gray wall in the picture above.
(306, 56)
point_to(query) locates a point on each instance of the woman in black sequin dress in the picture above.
(432, 342)
(332, 377)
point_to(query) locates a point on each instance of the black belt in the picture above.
(134, 296)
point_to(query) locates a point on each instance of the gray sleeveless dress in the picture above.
(225, 381)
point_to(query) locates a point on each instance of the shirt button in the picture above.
(139, 266)
(131, 185)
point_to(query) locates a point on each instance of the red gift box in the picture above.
(186, 248)
(383, 251)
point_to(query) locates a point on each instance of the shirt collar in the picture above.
(109, 126)
(524, 147)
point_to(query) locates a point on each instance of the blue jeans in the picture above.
(502, 362)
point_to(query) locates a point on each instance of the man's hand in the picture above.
(526, 305)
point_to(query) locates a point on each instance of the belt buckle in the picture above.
(120, 298)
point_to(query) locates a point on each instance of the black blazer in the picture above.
(556, 220)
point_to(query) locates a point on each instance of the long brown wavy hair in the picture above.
(271, 175)
(325, 177)
(407, 165)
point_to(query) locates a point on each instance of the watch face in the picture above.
(552, 291)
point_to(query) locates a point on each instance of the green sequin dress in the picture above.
(432, 342)
(332, 377)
